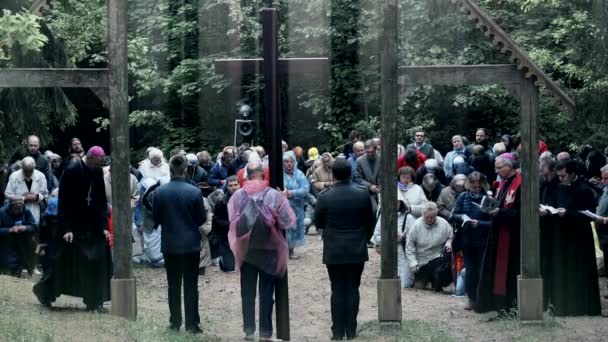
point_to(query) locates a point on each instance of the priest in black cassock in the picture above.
(570, 271)
(81, 265)
(549, 184)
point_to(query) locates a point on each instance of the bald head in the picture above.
(563, 156)
(33, 145)
(255, 171)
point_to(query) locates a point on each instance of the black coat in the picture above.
(345, 214)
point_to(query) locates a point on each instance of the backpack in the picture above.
(251, 221)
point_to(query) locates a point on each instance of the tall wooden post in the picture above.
(389, 289)
(530, 283)
(124, 296)
(274, 134)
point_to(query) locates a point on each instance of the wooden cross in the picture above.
(271, 66)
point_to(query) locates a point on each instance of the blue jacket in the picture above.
(16, 248)
(220, 172)
(179, 209)
(472, 236)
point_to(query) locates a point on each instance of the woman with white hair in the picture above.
(155, 167)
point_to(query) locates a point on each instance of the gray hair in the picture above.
(429, 206)
(254, 168)
(505, 161)
(604, 168)
(499, 148)
(28, 163)
(359, 143)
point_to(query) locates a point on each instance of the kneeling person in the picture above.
(428, 238)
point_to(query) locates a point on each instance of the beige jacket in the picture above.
(321, 179)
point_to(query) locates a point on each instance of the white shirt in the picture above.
(17, 187)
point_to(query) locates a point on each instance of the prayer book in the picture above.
(590, 214)
(549, 208)
(487, 204)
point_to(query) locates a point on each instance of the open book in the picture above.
(487, 204)
(465, 219)
(549, 208)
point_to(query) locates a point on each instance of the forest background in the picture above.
(177, 99)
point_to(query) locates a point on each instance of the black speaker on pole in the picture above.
(246, 123)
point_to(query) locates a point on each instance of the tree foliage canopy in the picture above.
(176, 94)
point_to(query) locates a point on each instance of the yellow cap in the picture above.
(313, 153)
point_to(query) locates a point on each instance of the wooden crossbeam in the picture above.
(51, 78)
(456, 75)
(255, 66)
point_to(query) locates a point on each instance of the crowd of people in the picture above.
(458, 221)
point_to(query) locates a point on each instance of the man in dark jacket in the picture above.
(32, 149)
(17, 227)
(345, 214)
(179, 209)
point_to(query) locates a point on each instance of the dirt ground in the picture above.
(220, 306)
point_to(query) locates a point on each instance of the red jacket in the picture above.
(419, 161)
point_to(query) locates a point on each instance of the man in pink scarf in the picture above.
(257, 214)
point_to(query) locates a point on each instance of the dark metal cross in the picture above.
(271, 66)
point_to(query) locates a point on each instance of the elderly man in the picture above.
(498, 278)
(204, 161)
(431, 166)
(32, 149)
(323, 178)
(17, 227)
(259, 246)
(459, 150)
(29, 183)
(428, 238)
(82, 268)
(358, 151)
(368, 171)
(223, 169)
(420, 145)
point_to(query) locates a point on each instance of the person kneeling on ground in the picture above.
(17, 226)
(346, 215)
(428, 239)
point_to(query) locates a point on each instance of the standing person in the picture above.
(358, 151)
(179, 209)
(459, 150)
(348, 149)
(413, 158)
(29, 183)
(299, 152)
(602, 211)
(571, 265)
(204, 161)
(32, 149)
(422, 146)
(257, 215)
(75, 154)
(346, 215)
(474, 232)
(447, 198)
(82, 266)
(296, 190)
(17, 227)
(368, 171)
(501, 262)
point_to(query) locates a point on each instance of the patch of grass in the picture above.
(411, 330)
(24, 320)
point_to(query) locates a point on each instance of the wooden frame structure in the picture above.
(111, 86)
(522, 79)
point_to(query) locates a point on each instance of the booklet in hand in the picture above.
(487, 204)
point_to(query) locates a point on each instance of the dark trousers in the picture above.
(345, 280)
(472, 262)
(183, 267)
(249, 283)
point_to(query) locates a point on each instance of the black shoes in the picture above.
(194, 330)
